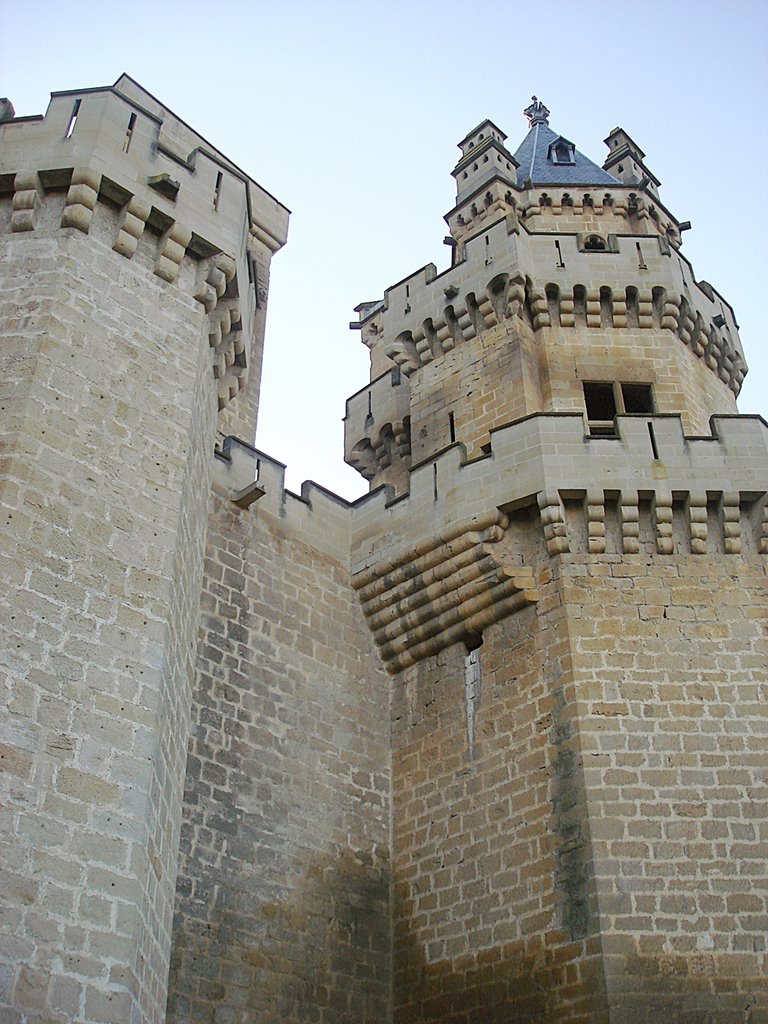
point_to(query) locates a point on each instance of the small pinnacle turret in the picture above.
(625, 162)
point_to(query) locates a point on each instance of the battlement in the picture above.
(253, 480)
(553, 455)
(120, 147)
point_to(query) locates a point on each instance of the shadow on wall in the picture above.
(319, 952)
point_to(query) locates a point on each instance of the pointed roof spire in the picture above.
(546, 158)
(537, 113)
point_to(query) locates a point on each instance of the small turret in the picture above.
(484, 158)
(625, 162)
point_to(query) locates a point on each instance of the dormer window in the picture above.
(561, 151)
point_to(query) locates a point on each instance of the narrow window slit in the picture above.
(217, 191)
(73, 119)
(129, 132)
(652, 437)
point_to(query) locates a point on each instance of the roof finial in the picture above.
(537, 113)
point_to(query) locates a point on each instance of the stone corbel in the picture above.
(553, 523)
(82, 195)
(629, 512)
(732, 522)
(133, 220)
(442, 591)
(698, 523)
(662, 517)
(173, 246)
(762, 541)
(27, 196)
(595, 522)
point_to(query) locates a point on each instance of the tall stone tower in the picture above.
(564, 571)
(135, 262)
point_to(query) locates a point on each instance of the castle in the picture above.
(488, 744)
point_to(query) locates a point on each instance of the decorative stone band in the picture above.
(694, 523)
(503, 299)
(631, 206)
(444, 590)
(625, 203)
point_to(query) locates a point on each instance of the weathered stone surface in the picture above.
(486, 745)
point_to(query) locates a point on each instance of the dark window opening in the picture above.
(637, 398)
(129, 132)
(563, 153)
(604, 400)
(600, 402)
(594, 243)
(473, 641)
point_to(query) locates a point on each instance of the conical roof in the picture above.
(550, 159)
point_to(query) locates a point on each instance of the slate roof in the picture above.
(532, 155)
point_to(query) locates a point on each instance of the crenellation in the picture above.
(105, 140)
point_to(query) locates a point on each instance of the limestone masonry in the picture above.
(489, 744)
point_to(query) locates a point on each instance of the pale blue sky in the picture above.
(349, 113)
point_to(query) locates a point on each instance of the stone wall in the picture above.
(671, 673)
(489, 380)
(495, 915)
(105, 464)
(283, 900)
(580, 801)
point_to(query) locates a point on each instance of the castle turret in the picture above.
(565, 575)
(625, 161)
(568, 292)
(135, 259)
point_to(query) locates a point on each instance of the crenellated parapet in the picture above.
(119, 148)
(650, 492)
(549, 461)
(553, 209)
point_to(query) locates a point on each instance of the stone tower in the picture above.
(135, 262)
(564, 571)
(487, 744)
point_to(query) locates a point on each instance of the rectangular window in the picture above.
(604, 400)
(637, 397)
(600, 401)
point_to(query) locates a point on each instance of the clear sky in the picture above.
(349, 113)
